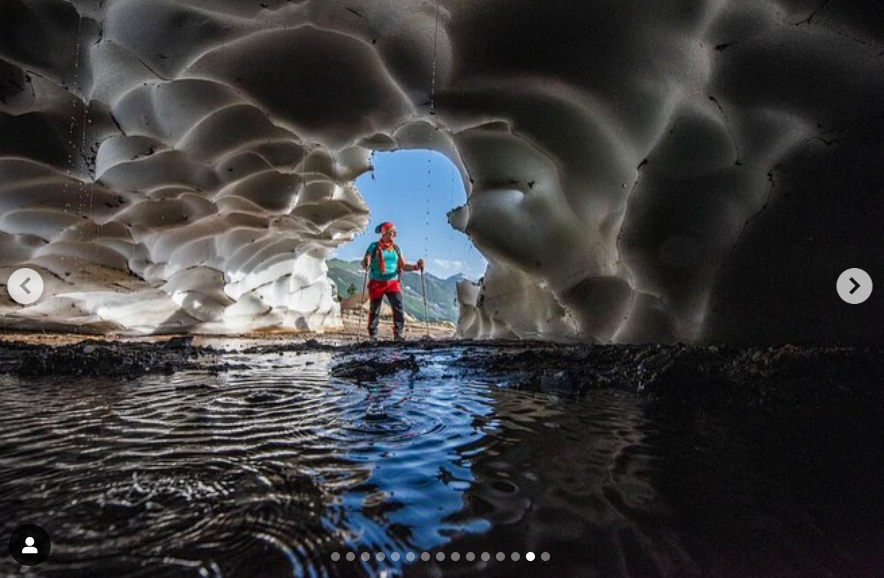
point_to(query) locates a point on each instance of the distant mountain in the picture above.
(441, 293)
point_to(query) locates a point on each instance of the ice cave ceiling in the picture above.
(678, 170)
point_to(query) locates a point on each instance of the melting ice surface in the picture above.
(269, 471)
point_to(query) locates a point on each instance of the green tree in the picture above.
(351, 290)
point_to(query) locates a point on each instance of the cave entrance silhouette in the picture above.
(416, 189)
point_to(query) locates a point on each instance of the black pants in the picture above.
(374, 314)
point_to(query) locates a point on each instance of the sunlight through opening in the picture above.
(415, 189)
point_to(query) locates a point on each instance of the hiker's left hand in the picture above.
(419, 265)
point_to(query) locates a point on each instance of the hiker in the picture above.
(386, 264)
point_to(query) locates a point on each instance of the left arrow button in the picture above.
(25, 286)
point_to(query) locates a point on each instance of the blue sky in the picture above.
(415, 190)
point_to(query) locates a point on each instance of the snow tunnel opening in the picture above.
(419, 190)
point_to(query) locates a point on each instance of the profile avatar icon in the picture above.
(29, 545)
(29, 549)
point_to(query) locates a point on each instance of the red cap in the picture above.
(384, 227)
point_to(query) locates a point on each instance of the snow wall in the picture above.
(637, 170)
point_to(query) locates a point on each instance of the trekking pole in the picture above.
(362, 301)
(424, 291)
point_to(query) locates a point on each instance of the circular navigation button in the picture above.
(29, 545)
(25, 286)
(854, 286)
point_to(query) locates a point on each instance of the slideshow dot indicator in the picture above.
(439, 556)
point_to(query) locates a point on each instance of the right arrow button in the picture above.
(854, 286)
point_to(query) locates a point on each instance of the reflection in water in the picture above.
(268, 471)
(407, 434)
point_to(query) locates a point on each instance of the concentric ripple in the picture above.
(270, 471)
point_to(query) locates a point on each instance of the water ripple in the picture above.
(266, 472)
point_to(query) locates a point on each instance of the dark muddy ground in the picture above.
(703, 375)
(118, 360)
(718, 375)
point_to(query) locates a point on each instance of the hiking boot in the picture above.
(398, 338)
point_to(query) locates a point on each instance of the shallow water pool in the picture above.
(283, 470)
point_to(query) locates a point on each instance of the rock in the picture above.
(371, 369)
